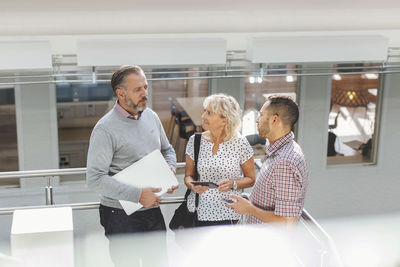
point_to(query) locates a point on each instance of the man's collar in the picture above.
(272, 148)
(125, 113)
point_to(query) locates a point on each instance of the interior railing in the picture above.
(310, 224)
(91, 75)
(50, 174)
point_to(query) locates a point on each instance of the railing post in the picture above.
(49, 191)
(323, 251)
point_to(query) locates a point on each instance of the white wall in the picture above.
(25, 17)
(350, 190)
(36, 117)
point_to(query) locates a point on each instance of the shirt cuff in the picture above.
(140, 195)
(287, 209)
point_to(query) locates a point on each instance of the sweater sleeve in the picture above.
(100, 155)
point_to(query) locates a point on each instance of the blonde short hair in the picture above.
(227, 107)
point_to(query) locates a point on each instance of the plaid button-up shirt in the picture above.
(282, 181)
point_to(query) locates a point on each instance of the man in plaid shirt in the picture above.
(279, 191)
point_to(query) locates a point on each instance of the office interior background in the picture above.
(339, 60)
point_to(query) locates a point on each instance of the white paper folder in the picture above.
(150, 171)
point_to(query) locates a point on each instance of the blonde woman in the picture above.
(225, 159)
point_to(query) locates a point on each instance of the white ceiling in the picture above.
(153, 5)
(51, 17)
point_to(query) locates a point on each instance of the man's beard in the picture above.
(137, 108)
(263, 132)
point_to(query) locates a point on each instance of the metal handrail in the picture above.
(54, 172)
(41, 173)
(82, 206)
(49, 174)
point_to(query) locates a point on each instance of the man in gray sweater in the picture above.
(127, 133)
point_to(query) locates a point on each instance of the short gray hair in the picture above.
(118, 77)
(226, 106)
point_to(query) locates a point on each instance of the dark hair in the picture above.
(286, 109)
(118, 77)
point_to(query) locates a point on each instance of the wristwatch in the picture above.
(234, 185)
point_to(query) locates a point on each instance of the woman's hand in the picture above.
(225, 185)
(199, 189)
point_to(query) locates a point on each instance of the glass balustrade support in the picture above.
(327, 243)
(312, 226)
(49, 191)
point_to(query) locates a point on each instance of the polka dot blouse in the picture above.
(225, 164)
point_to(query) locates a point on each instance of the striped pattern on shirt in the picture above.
(282, 181)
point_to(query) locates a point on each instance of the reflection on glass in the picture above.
(283, 83)
(8, 136)
(352, 118)
(179, 104)
(79, 107)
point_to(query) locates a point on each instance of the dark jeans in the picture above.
(130, 244)
(211, 223)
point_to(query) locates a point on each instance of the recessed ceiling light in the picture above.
(370, 76)
(289, 78)
(337, 77)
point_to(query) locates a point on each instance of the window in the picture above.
(279, 80)
(8, 136)
(352, 117)
(79, 107)
(170, 100)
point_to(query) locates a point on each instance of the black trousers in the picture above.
(135, 239)
(115, 221)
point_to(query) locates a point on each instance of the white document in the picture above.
(150, 171)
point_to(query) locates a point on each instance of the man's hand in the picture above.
(148, 199)
(241, 206)
(172, 189)
(172, 168)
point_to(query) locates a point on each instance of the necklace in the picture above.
(215, 140)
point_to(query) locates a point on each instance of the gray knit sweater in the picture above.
(117, 142)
